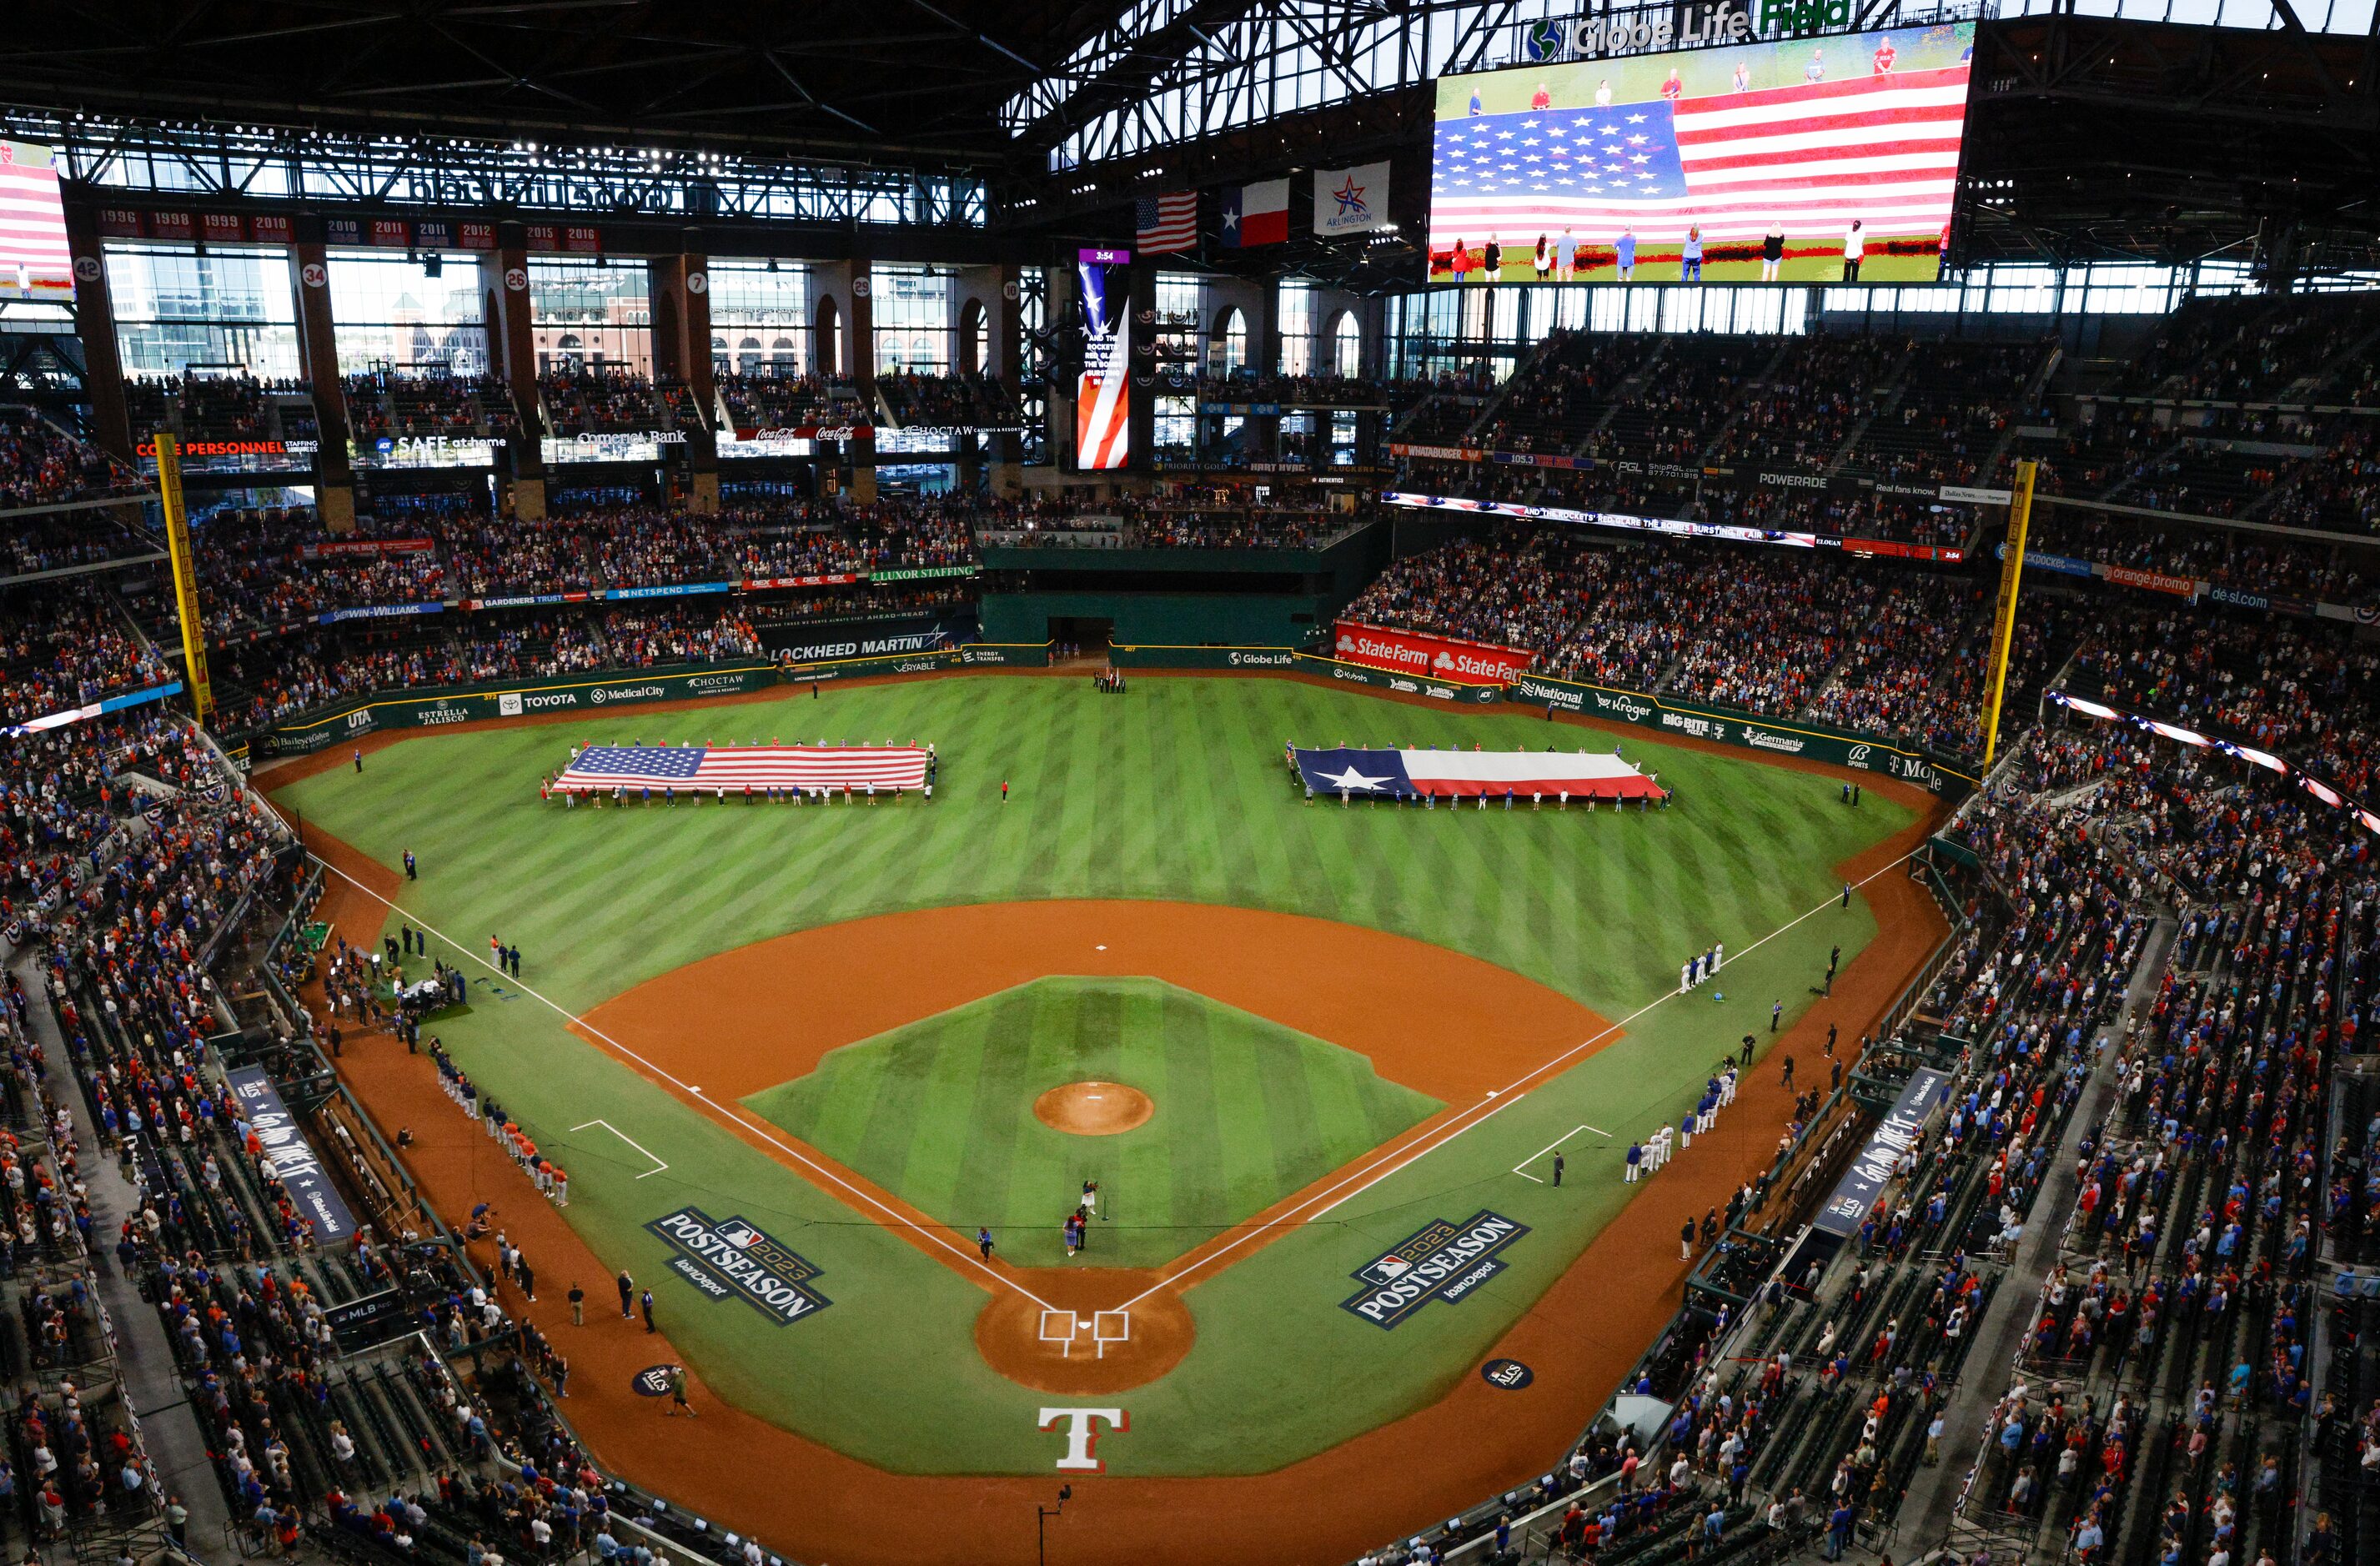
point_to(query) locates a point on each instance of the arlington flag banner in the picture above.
(1351, 201)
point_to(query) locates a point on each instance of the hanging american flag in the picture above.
(600, 768)
(1166, 223)
(1879, 146)
(1103, 396)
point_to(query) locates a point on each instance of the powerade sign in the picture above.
(732, 1258)
(1437, 1261)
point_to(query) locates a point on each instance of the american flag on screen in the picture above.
(32, 226)
(603, 768)
(1881, 147)
(1166, 223)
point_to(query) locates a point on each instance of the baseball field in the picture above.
(796, 1060)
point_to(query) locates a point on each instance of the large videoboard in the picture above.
(1809, 159)
(34, 262)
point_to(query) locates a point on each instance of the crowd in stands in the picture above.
(68, 646)
(1303, 391)
(958, 399)
(787, 402)
(458, 407)
(596, 401)
(42, 465)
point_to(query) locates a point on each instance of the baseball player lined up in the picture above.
(1701, 966)
(1644, 1157)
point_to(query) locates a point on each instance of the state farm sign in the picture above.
(1441, 658)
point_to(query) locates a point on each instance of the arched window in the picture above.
(720, 362)
(782, 359)
(747, 357)
(1347, 347)
(975, 338)
(1233, 336)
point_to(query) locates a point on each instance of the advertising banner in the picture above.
(294, 1163)
(811, 641)
(1203, 656)
(439, 707)
(1399, 684)
(1725, 725)
(1893, 1135)
(1443, 659)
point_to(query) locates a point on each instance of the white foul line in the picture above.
(1347, 1190)
(717, 1106)
(658, 1164)
(1522, 1169)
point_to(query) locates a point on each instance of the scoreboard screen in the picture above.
(34, 262)
(1809, 159)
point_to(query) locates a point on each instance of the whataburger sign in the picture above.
(1440, 658)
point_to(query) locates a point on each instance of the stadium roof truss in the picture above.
(1164, 72)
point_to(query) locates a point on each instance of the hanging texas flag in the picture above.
(1351, 201)
(1465, 774)
(1256, 214)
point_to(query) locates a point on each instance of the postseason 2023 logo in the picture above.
(1438, 1261)
(730, 1257)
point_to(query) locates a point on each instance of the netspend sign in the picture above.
(1438, 658)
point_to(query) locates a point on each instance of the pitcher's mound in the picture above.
(1093, 1108)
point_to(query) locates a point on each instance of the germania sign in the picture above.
(730, 1258)
(1437, 1261)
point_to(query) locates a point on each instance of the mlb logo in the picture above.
(1388, 1269)
(508, 705)
(742, 1234)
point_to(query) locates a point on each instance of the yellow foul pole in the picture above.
(185, 577)
(2004, 612)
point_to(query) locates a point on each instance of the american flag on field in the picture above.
(1881, 147)
(32, 226)
(1166, 223)
(600, 768)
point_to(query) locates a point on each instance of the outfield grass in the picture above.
(1175, 791)
(940, 1113)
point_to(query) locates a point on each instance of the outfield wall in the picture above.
(600, 690)
(1949, 776)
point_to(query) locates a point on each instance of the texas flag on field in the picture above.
(1256, 214)
(1462, 774)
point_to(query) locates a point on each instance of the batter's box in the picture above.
(1069, 1326)
(1103, 1319)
